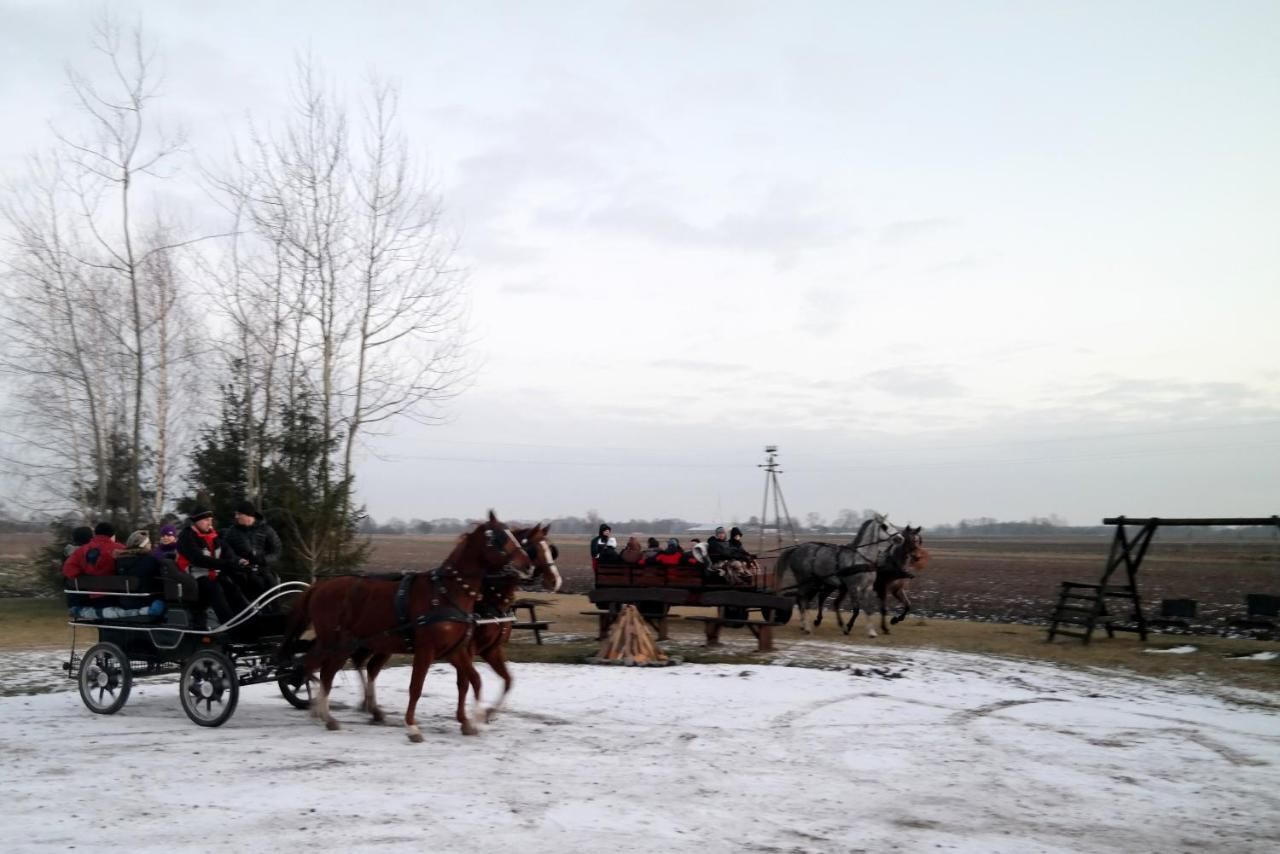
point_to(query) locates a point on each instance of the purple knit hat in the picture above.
(168, 531)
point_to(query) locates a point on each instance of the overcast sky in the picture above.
(956, 259)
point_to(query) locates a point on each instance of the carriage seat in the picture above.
(110, 584)
(130, 585)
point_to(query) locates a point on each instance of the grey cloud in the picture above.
(967, 264)
(1158, 400)
(526, 288)
(914, 229)
(933, 382)
(699, 366)
(773, 228)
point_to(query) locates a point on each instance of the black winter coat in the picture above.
(258, 543)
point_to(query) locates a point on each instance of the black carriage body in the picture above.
(212, 664)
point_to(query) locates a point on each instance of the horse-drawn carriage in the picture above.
(212, 664)
(741, 599)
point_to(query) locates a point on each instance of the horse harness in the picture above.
(447, 611)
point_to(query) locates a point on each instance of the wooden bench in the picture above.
(761, 629)
(532, 624)
(1262, 613)
(1175, 614)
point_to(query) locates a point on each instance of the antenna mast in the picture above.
(771, 485)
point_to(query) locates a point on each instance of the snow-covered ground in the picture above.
(909, 751)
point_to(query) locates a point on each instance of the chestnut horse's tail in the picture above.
(299, 620)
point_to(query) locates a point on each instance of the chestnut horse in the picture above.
(428, 614)
(493, 623)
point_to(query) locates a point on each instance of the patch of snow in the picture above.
(1175, 650)
(1257, 656)
(953, 751)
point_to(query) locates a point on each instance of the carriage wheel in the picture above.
(209, 689)
(105, 678)
(296, 688)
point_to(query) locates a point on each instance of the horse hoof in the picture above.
(470, 729)
(416, 737)
(332, 725)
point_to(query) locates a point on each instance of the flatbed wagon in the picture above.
(212, 664)
(747, 600)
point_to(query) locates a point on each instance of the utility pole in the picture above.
(771, 486)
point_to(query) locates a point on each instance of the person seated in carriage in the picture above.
(729, 558)
(257, 548)
(718, 547)
(604, 548)
(137, 561)
(671, 555)
(92, 552)
(201, 556)
(632, 552)
(650, 552)
(737, 551)
(167, 547)
(79, 536)
(97, 556)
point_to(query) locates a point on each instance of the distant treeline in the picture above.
(845, 524)
(559, 525)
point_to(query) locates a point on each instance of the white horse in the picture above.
(820, 569)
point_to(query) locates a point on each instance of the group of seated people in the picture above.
(722, 555)
(223, 572)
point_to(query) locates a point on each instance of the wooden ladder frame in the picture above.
(1129, 553)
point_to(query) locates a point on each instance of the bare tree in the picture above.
(109, 162)
(345, 276)
(94, 381)
(58, 369)
(407, 306)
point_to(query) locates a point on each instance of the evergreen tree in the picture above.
(219, 464)
(311, 511)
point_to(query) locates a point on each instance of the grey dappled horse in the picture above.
(820, 569)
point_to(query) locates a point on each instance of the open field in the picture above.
(972, 598)
(1000, 579)
(987, 579)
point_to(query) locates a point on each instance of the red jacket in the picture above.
(96, 557)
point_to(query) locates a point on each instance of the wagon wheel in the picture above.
(209, 688)
(105, 678)
(780, 616)
(296, 688)
(734, 616)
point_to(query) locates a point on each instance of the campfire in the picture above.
(631, 642)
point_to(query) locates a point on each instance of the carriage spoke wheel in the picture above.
(296, 688)
(105, 678)
(209, 688)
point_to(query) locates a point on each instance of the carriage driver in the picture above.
(200, 555)
(257, 548)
